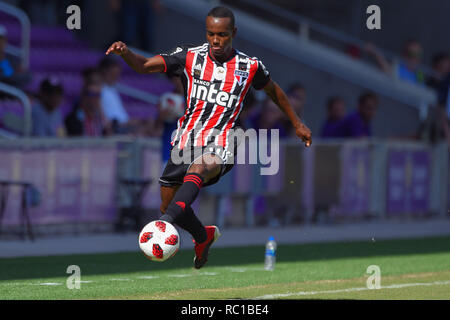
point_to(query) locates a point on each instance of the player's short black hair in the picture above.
(222, 12)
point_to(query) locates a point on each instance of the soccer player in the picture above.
(216, 78)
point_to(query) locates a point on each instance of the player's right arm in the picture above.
(136, 61)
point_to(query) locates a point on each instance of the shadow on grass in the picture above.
(98, 264)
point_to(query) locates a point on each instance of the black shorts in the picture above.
(175, 170)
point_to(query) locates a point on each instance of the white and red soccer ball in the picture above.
(159, 240)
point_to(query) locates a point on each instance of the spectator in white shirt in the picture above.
(111, 101)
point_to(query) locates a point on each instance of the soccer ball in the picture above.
(159, 240)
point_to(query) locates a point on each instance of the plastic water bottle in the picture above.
(271, 248)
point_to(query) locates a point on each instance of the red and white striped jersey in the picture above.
(214, 92)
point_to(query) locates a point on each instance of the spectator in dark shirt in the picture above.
(444, 108)
(441, 67)
(436, 126)
(335, 114)
(358, 123)
(87, 118)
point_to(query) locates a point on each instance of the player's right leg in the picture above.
(167, 194)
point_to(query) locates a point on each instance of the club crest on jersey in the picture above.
(219, 73)
(241, 76)
(197, 70)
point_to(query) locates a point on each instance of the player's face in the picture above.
(219, 35)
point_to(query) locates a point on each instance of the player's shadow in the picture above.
(131, 262)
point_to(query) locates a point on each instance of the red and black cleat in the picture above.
(202, 249)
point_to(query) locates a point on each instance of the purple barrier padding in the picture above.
(10, 169)
(355, 182)
(99, 184)
(76, 185)
(152, 167)
(242, 172)
(242, 178)
(274, 182)
(408, 182)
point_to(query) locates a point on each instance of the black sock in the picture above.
(179, 210)
(186, 219)
(190, 188)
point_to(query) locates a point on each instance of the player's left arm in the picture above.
(280, 98)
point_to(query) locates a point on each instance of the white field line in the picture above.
(308, 293)
(179, 275)
(120, 279)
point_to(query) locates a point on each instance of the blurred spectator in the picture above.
(138, 22)
(271, 117)
(297, 97)
(335, 114)
(87, 118)
(441, 68)
(296, 94)
(249, 109)
(111, 102)
(267, 115)
(444, 107)
(10, 70)
(407, 69)
(91, 75)
(46, 113)
(358, 123)
(171, 108)
(436, 126)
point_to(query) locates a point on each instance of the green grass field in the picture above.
(410, 269)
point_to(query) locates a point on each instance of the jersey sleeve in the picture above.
(175, 60)
(262, 77)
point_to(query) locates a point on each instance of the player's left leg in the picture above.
(179, 211)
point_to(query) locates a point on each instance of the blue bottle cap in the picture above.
(271, 239)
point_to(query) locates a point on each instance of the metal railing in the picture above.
(24, 51)
(22, 97)
(137, 94)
